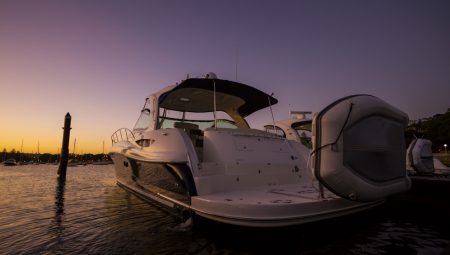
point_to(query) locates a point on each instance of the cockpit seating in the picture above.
(195, 134)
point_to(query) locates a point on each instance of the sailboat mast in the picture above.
(21, 151)
(38, 155)
(74, 144)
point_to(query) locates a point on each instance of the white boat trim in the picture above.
(288, 221)
(156, 197)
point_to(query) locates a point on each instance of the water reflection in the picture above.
(90, 214)
(59, 207)
(59, 199)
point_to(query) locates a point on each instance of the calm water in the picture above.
(92, 215)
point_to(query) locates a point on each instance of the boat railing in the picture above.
(122, 134)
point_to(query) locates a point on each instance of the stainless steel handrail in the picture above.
(124, 133)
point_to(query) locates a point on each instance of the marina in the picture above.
(92, 215)
(224, 127)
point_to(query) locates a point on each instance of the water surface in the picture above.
(92, 215)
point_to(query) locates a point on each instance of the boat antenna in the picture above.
(237, 58)
(290, 110)
(270, 106)
(215, 119)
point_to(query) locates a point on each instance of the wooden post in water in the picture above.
(65, 148)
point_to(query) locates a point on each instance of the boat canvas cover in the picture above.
(197, 95)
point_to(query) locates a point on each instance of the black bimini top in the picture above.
(197, 95)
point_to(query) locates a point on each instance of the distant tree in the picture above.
(4, 154)
(436, 129)
(46, 157)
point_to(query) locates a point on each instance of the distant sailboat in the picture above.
(73, 161)
(21, 153)
(38, 155)
(57, 157)
(104, 160)
(21, 161)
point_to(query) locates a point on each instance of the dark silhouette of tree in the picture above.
(436, 129)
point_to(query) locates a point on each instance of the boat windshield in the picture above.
(202, 121)
(304, 131)
(144, 120)
(304, 126)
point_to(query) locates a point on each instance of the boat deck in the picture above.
(274, 205)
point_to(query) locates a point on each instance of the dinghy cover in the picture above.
(420, 156)
(359, 148)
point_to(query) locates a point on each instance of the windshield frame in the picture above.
(201, 123)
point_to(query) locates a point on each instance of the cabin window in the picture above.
(144, 120)
(302, 126)
(303, 130)
(168, 118)
(277, 131)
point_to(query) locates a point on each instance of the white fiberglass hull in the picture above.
(234, 184)
(260, 207)
(263, 206)
(275, 206)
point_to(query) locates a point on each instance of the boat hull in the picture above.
(10, 162)
(290, 221)
(170, 186)
(275, 206)
(233, 185)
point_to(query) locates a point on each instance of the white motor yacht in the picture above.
(10, 162)
(420, 160)
(297, 128)
(428, 174)
(192, 150)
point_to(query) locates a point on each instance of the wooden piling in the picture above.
(65, 148)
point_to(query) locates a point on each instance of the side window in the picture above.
(304, 132)
(277, 131)
(144, 120)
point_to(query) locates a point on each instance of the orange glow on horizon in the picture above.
(50, 140)
(54, 148)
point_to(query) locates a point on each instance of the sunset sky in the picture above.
(99, 60)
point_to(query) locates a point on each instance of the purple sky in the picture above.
(98, 60)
